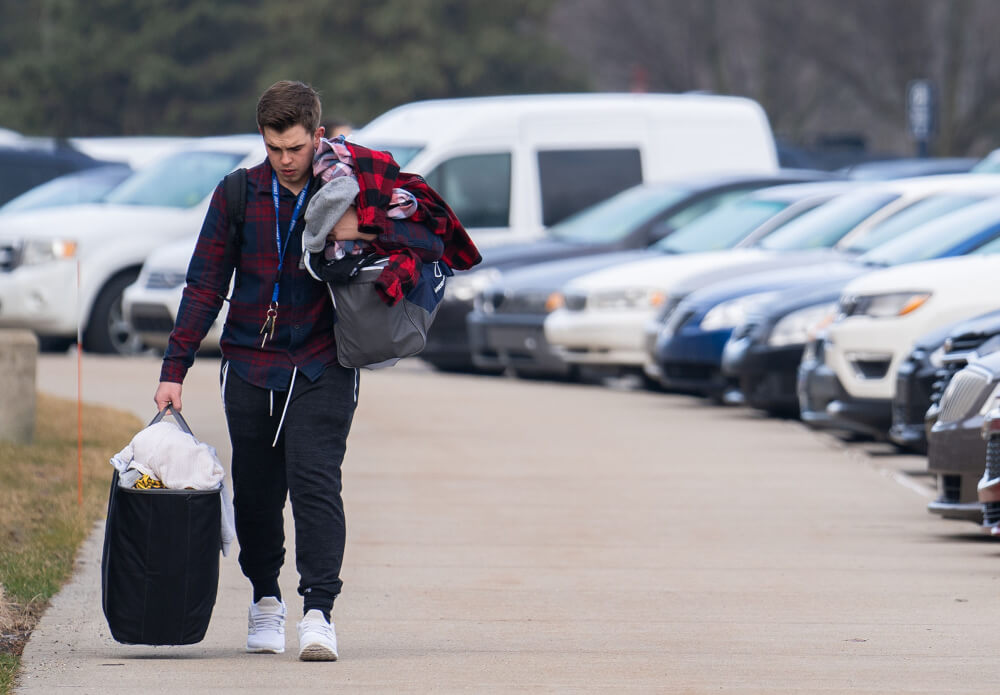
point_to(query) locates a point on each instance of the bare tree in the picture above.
(816, 67)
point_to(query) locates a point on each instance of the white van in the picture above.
(511, 166)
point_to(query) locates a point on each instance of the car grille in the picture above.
(991, 513)
(151, 318)
(963, 395)
(993, 457)
(521, 303)
(10, 256)
(966, 342)
(991, 510)
(164, 280)
(912, 398)
(871, 368)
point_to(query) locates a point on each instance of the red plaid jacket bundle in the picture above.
(377, 175)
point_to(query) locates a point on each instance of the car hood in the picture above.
(984, 325)
(799, 280)
(527, 253)
(666, 271)
(820, 289)
(977, 274)
(553, 275)
(785, 267)
(173, 257)
(95, 221)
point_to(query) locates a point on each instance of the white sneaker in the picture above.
(317, 638)
(266, 626)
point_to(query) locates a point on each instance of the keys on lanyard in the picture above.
(267, 330)
(271, 316)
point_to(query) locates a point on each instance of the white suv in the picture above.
(150, 303)
(64, 269)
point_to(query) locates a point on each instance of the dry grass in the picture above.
(41, 522)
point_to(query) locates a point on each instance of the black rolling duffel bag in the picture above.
(160, 566)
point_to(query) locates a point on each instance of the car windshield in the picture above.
(180, 181)
(87, 186)
(722, 228)
(990, 164)
(614, 218)
(911, 217)
(826, 225)
(934, 238)
(401, 153)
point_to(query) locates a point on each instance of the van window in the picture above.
(572, 180)
(477, 188)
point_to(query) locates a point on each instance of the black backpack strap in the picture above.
(235, 188)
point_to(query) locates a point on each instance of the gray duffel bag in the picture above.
(372, 334)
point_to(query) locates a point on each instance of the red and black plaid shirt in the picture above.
(303, 335)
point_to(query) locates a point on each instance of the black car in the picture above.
(24, 167)
(633, 219)
(763, 353)
(956, 451)
(920, 381)
(927, 370)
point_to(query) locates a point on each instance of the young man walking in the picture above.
(288, 403)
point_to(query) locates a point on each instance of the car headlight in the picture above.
(556, 300)
(796, 327)
(463, 287)
(38, 251)
(732, 313)
(880, 306)
(629, 298)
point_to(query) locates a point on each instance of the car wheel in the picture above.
(108, 331)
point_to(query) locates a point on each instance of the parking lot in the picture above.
(516, 536)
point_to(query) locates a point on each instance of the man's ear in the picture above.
(320, 132)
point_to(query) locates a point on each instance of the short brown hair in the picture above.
(286, 104)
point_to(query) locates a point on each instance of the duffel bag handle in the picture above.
(177, 416)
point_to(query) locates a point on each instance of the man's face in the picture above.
(291, 154)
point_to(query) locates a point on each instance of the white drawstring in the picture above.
(225, 377)
(357, 372)
(270, 412)
(285, 409)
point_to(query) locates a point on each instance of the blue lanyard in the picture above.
(277, 227)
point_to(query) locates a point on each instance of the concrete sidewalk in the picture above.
(510, 536)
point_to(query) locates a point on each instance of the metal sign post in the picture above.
(921, 112)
